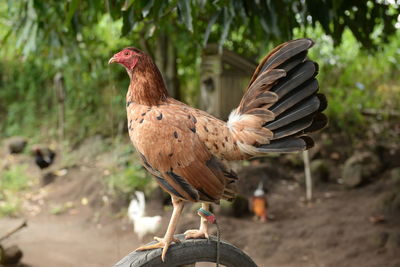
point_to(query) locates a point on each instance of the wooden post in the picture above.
(307, 171)
(10, 233)
(165, 56)
(60, 95)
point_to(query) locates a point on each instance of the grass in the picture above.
(124, 174)
(9, 207)
(62, 208)
(128, 179)
(12, 181)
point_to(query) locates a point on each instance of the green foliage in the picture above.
(59, 23)
(354, 80)
(28, 100)
(9, 208)
(59, 209)
(19, 94)
(12, 181)
(74, 39)
(128, 179)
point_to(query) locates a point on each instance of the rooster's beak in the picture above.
(112, 60)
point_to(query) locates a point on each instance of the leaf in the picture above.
(25, 33)
(225, 31)
(264, 25)
(128, 21)
(6, 36)
(127, 4)
(147, 8)
(185, 13)
(320, 11)
(71, 10)
(274, 20)
(159, 8)
(30, 44)
(209, 27)
(239, 7)
(10, 5)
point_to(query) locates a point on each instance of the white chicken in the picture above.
(142, 225)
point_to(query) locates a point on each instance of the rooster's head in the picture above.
(147, 84)
(128, 57)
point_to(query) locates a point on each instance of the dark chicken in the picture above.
(185, 148)
(44, 157)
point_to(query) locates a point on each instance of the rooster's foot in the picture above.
(163, 243)
(159, 239)
(196, 234)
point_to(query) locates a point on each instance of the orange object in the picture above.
(259, 207)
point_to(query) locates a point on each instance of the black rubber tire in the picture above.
(187, 252)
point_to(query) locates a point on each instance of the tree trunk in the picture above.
(165, 57)
(59, 87)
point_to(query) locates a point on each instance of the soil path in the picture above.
(69, 240)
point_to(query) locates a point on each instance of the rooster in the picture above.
(142, 225)
(44, 157)
(185, 149)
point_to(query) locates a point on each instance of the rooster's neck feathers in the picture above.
(147, 86)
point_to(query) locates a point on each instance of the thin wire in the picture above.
(207, 215)
(218, 242)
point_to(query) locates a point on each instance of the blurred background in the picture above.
(68, 169)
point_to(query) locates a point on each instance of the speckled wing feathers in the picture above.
(166, 138)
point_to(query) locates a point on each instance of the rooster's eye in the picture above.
(126, 53)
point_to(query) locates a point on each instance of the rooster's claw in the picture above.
(162, 243)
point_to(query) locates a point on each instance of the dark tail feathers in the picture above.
(297, 106)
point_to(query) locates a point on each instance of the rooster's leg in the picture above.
(169, 235)
(203, 231)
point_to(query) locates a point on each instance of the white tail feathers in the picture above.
(247, 129)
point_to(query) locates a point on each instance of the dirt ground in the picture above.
(68, 240)
(336, 229)
(333, 231)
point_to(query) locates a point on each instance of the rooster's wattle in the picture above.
(185, 148)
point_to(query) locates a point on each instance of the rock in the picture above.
(389, 155)
(359, 168)
(315, 151)
(2, 255)
(239, 207)
(389, 202)
(396, 204)
(379, 239)
(16, 144)
(352, 175)
(394, 176)
(48, 178)
(319, 171)
(393, 242)
(12, 255)
(293, 159)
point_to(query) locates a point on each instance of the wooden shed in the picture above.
(224, 78)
